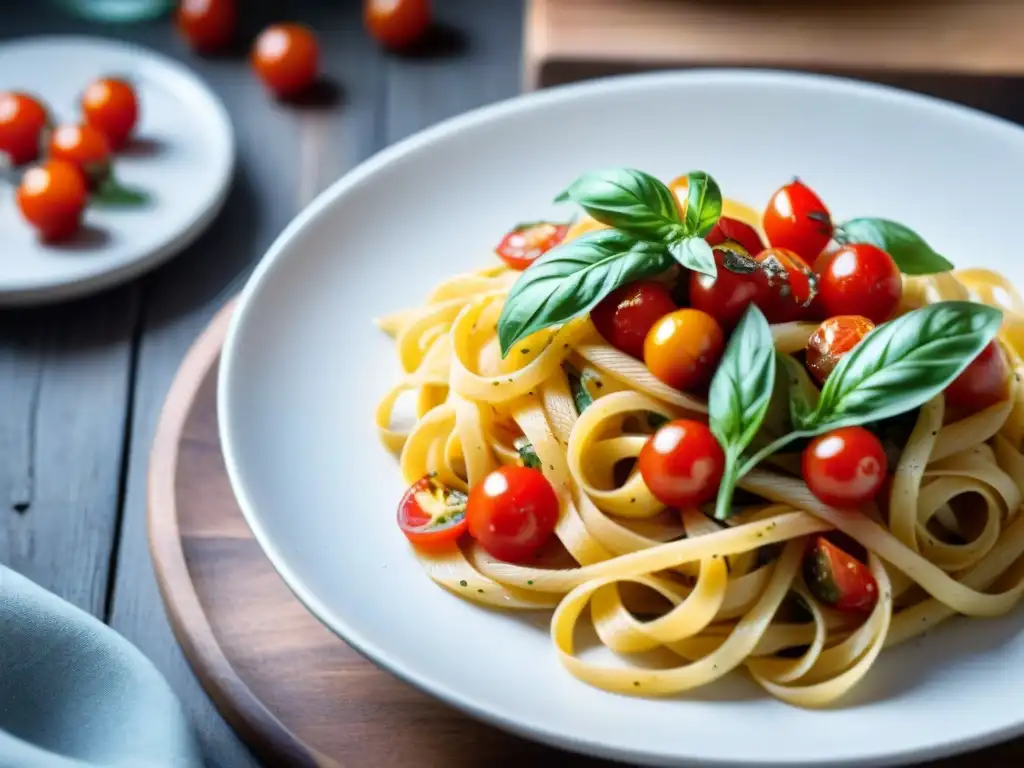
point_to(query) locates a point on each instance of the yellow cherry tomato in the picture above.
(683, 348)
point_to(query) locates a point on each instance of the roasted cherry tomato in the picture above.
(52, 197)
(111, 106)
(682, 463)
(286, 57)
(859, 279)
(797, 220)
(844, 467)
(625, 316)
(207, 24)
(734, 230)
(683, 348)
(985, 382)
(85, 147)
(837, 578)
(791, 286)
(22, 121)
(430, 514)
(727, 295)
(524, 244)
(833, 339)
(513, 512)
(396, 23)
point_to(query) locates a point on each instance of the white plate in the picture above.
(303, 369)
(184, 161)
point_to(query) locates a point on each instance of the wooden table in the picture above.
(81, 385)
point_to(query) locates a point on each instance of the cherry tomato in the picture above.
(207, 24)
(682, 463)
(791, 286)
(286, 57)
(844, 467)
(727, 295)
(833, 339)
(736, 231)
(524, 244)
(52, 197)
(859, 279)
(513, 512)
(985, 382)
(85, 147)
(430, 514)
(625, 316)
(22, 120)
(683, 348)
(797, 220)
(396, 23)
(110, 106)
(837, 578)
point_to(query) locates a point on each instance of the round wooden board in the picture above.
(294, 692)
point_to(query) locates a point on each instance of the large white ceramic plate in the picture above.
(303, 369)
(183, 160)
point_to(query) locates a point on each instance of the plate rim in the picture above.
(518, 104)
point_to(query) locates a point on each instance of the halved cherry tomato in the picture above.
(736, 231)
(792, 286)
(52, 197)
(396, 23)
(985, 382)
(207, 24)
(111, 106)
(286, 57)
(833, 339)
(22, 120)
(837, 578)
(625, 316)
(797, 220)
(727, 295)
(525, 243)
(682, 463)
(85, 147)
(844, 467)
(859, 279)
(683, 348)
(430, 514)
(513, 512)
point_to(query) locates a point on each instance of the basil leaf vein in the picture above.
(908, 249)
(628, 200)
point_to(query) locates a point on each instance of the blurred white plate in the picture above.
(183, 159)
(303, 369)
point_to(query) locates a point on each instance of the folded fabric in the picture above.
(75, 694)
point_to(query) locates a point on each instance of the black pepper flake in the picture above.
(463, 583)
(632, 500)
(935, 432)
(565, 346)
(598, 383)
(551, 467)
(480, 591)
(636, 683)
(531, 392)
(525, 350)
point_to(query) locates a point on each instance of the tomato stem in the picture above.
(771, 448)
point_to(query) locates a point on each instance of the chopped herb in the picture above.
(463, 583)
(480, 591)
(551, 467)
(525, 350)
(632, 500)
(529, 581)
(495, 383)
(510, 381)
(527, 453)
(636, 683)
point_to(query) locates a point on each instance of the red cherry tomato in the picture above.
(734, 230)
(682, 463)
(207, 24)
(396, 23)
(22, 120)
(683, 348)
(791, 286)
(727, 295)
(625, 316)
(985, 382)
(844, 467)
(833, 339)
(838, 578)
(526, 243)
(513, 512)
(110, 106)
(85, 147)
(859, 279)
(797, 220)
(52, 197)
(430, 514)
(286, 57)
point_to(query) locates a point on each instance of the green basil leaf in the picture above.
(527, 453)
(803, 395)
(904, 363)
(571, 278)
(696, 254)
(908, 249)
(628, 200)
(111, 193)
(703, 204)
(581, 396)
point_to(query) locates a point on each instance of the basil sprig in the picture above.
(908, 249)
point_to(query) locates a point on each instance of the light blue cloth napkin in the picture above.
(75, 694)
